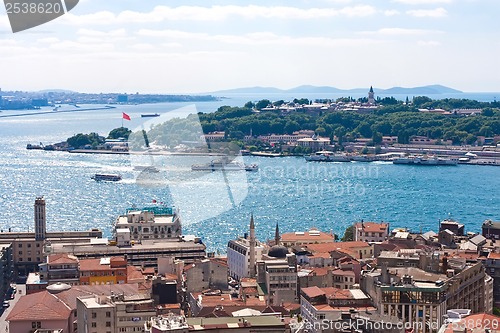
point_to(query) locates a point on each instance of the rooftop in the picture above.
(372, 226)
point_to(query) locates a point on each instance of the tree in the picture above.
(249, 105)
(348, 234)
(263, 103)
(377, 138)
(120, 132)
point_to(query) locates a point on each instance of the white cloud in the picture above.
(428, 43)
(422, 2)
(401, 32)
(217, 13)
(96, 33)
(438, 12)
(48, 40)
(257, 38)
(391, 12)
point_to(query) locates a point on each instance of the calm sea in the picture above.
(288, 191)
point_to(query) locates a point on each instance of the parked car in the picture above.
(6, 304)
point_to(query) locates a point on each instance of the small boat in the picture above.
(106, 177)
(222, 165)
(425, 160)
(327, 156)
(150, 115)
(150, 169)
(264, 154)
(30, 146)
(362, 158)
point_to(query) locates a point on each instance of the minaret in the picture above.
(277, 235)
(40, 219)
(371, 96)
(251, 266)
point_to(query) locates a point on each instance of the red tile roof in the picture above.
(62, 258)
(372, 226)
(39, 306)
(493, 255)
(306, 237)
(46, 306)
(313, 291)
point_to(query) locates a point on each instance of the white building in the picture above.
(117, 313)
(239, 254)
(315, 143)
(148, 223)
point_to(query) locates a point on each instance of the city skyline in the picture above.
(192, 47)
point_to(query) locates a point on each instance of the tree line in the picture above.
(392, 118)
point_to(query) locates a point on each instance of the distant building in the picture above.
(27, 247)
(371, 96)
(206, 274)
(371, 231)
(314, 143)
(243, 253)
(491, 230)
(277, 274)
(149, 223)
(422, 296)
(313, 236)
(63, 268)
(56, 307)
(321, 306)
(457, 228)
(114, 313)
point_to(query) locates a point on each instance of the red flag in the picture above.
(125, 116)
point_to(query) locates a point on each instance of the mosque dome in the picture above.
(278, 251)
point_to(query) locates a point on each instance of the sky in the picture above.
(194, 46)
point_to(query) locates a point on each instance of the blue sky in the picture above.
(201, 46)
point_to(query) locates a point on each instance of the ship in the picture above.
(224, 165)
(106, 177)
(425, 160)
(150, 115)
(327, 156)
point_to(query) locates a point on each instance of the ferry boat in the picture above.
(327, 156)
(106, 177)
(425, 160)
(150, 115)
(222, 165)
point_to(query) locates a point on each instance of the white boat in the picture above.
(327, 156)
(362, 158)
(425, 160)
(223, 165)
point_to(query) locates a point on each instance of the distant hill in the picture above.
(424, 90)
(56, 91)
(427, 90)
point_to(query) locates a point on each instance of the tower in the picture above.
(371, 96)
(40, 219)
(251, 267)
(277, 236)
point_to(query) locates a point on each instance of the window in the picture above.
(94, 315)
(29, 245)
(108, 314)
(37, 244)
(94, 324)
(36, 324)
(108, 324)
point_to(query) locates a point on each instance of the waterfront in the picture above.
(290, 191)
